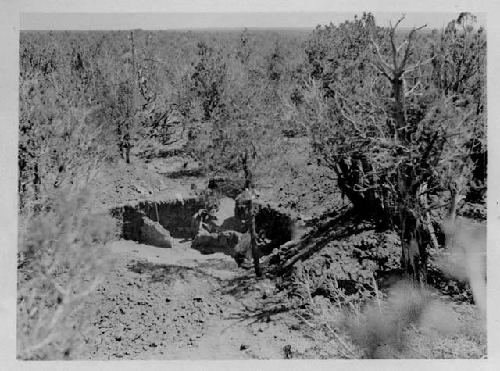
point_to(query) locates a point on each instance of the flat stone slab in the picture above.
(153, 233)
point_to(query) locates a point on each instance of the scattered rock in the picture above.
(243, 346)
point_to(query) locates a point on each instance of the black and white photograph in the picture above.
(251, 186)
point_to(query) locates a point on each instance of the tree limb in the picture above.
(409, 45)
(381, 59)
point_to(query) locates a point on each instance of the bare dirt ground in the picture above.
(179, 304)
(158, 179)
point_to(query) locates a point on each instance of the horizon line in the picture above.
(303, 28)
(223, 21)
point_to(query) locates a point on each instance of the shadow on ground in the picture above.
(183, 173)
(168, 273)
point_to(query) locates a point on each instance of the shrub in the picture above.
(60, 264)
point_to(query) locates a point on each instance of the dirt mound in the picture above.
(343, 252)
(119, 183)
(350, 264)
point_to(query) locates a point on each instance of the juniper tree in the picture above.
(394, 139)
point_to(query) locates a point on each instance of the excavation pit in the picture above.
(174, 216)
(153, 222)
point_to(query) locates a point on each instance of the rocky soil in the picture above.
(179, 304)
(182, 303)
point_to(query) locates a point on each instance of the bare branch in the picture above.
(412, 90)
(401, 46)
(409, 45)
(392, 34)
(401, 19)
(346, 116)
(381, 70)
(418, 64)
(393, 48)
(381, 59)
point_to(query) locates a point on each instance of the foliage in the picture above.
(60, 265)
(459, 71)
(208, 79)
(393, 137)
(74, 106)
(243, 108)
(405, 321)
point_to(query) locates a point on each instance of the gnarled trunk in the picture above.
(414, 237)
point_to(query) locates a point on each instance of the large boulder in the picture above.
(205, 242)
(208, 243)
(152, 233)
(229, 240)
(243, 250)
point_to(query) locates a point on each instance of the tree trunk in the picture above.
(130, 121)
(251, 214)
(119, 134)
(36, 181)
(414, 238)
(253, 238)
(247, 171)
(415, 226)
(399, 107)
(127, 155)
(455, 199)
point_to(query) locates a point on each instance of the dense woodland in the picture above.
(395, 118)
